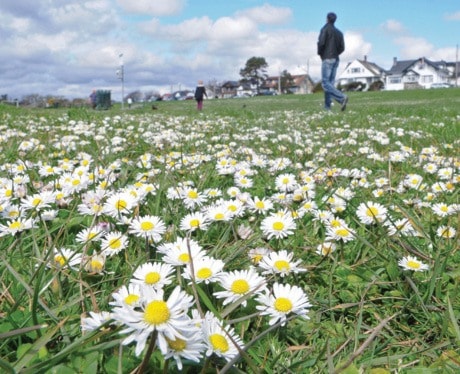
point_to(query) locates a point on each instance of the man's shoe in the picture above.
(344, 103)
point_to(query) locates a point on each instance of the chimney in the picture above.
(395, 60)
(365, 58)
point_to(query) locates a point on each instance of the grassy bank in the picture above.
(320, 242)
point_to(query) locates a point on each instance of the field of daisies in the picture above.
(259, 236)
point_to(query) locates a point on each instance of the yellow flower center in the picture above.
(131, 299)
(335, 223)
(285, 180)
(115, 243)
(178, 345)
(121, 205)
(60, 260)
(147, 226)
(96, 266)
(260, 205)
(204, 273)
(240, 286)
(195, 222)
(219, 216)
(342, 232)
(283, 304)
(36, 201)
(152, 277)
(282, 265)
(413, 264)
(219, 343)
(156, 312)
(278, 226)
(372, 211)
(15, 225)
(257, 258)
(192, 194)
(75, 182)
(184, 257)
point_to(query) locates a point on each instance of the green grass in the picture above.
(367, 313)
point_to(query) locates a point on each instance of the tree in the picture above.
(286, 81)
(255, 71)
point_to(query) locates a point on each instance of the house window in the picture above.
(355, 70)
(427, 79)
(395, 80)
(411, 78)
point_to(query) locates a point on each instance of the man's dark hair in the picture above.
(331, 17)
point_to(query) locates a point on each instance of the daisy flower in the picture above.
(257, 254)
(441, 209)
(191, 347)
(168, 318)
(239, 283)
(370, 212)
(260, 206)
(278, 226)
(280, 263)
(149, 227)
(179, 252)
(412, 263)
(95, 263)
(95, 321)
(326, 248)
(339, 232)
(283, 301)
(218, 213)
(401, 226)
(39, 201)
(12, 227)
(446, 232)
(127, 296)
(113, 243)
(120, 203)
(155, 274)
(205, 269)
(221, 341)
(64, 257)
(89, 234)
(194, 221)
(192, 198)
(234, 206)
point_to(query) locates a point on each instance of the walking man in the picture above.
(330, 46)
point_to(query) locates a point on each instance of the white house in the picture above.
(420, 73)
(362, 71)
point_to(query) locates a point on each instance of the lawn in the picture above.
(259, 235)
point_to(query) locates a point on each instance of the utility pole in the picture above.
(121, 76)
(456, 68)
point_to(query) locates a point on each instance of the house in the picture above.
(229, 89)
(419, 73)
(362, 71)
(301, 84)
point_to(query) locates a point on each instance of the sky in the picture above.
(69, 47)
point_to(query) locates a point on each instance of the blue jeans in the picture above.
(328, 71)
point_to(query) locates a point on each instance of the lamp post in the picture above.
(121, 76)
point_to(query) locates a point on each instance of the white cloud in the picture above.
(267, 14)
(155, 8)
(413, 47)
(453, 16)
(393, 26)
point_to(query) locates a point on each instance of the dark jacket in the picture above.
(200, 92)
(330, 42)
